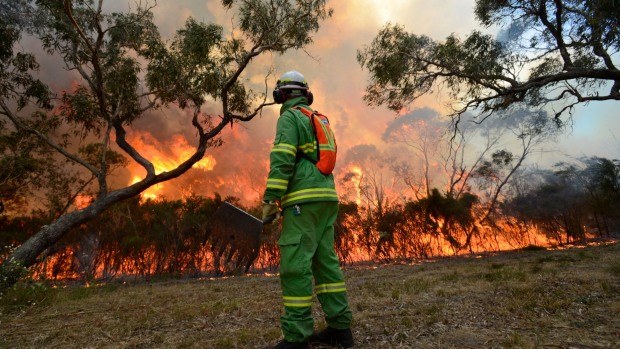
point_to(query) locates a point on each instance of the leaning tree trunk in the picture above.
(26, 255)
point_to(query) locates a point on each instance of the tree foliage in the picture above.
(566, 45)
(127, 69)
(572, 201)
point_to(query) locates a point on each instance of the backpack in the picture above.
(326, 156)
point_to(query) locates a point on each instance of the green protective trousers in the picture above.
(307, 249)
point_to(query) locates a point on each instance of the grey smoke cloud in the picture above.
(359, 153)
(335, 78)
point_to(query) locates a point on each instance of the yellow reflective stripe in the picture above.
(284, 151)
(298, 298)
(300, 305)
(298, 301)
(277, 183)
(277, 180)
(292, 147)
(327, 288)
(285, 148)
(308, 191)
(327, 285)
(310, 196)
(327, 134)
(285, 80)
(308, 147)
(331, 291)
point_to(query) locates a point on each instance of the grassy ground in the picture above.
(531, 299)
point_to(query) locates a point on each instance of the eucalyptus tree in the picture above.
(127, 70)
(599, 180)
(558, 53)
(445, 160)
(421, 131)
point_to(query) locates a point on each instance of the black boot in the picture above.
(333, 337)
(291, 345)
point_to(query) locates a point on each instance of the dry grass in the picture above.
(535, 299)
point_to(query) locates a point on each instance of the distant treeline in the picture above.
(154, 238)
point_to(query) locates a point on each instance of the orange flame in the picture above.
(356, 181)
(82, 201)
(164, 157)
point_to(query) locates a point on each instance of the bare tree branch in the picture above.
(20, 125)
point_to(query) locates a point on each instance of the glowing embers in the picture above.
(165, 156)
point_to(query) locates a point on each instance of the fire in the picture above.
(82, 201)
(439, 222)
(164, 157)
(370, 235)
(356, 181)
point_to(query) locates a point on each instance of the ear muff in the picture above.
(278, 96)
(309, 97)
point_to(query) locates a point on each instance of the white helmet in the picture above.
(296, 84)
(292, 80)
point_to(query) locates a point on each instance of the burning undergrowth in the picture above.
(424, 198)
(148, 239)
(556, 299)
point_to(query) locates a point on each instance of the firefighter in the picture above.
(300, 179)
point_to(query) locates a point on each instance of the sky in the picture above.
(240, 166)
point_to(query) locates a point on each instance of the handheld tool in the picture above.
(237, 231)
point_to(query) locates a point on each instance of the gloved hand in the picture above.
(271, 208)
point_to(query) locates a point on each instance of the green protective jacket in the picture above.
(292, 179)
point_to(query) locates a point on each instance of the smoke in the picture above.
(330, 66)
(427, 115)
(359, 154)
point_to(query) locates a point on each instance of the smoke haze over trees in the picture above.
(155, 238)
(481, 197)
(126, 69)
(409, 188)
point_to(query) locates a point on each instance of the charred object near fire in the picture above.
(236, 233)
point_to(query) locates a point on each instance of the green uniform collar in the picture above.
(297, 101)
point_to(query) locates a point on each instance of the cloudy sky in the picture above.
(240, 166)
